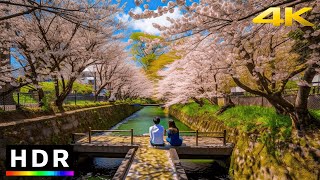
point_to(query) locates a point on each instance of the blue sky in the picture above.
(144, 25)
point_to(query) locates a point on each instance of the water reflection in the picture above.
(205, 169)
(97, 167)
(142, 120)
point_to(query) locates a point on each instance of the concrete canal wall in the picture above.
(253, 159)
(58, 129)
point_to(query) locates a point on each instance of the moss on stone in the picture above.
(261, 150)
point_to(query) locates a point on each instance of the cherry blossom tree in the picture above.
(131, 83)
(229, 24)
(110, 67)
(7, 82)
(16, 8)
(196, 76)
(50, 47)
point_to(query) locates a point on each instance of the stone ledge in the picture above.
(181, 174)
(124, 167)
(50, 116)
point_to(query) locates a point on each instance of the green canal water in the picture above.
(142, 120)
(105, 168)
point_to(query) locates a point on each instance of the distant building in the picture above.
(237, 91)
(87, 77)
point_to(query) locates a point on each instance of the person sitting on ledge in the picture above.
(156, 133)
(173, 134)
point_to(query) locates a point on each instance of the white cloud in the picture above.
(137, 10)
(123, 17)
(145, 25)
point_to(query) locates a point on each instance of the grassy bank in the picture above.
(244, 118)
(264, 145)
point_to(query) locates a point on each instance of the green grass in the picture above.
(49, 87)
(316, 113)
(250, 118)
(244, 118)
(70, 107)
(193, 109)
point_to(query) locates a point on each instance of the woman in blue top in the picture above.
(173, 134)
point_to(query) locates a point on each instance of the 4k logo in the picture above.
(289, 16)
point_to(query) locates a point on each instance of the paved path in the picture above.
(150, 162)
(144, 140)
(40, 118)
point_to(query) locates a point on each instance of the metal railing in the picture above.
(99, 131)
(221, 134)
(77, 134)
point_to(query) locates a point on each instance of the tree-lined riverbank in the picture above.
(264, 148)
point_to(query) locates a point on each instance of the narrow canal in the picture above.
(142, 120)
(105, 168)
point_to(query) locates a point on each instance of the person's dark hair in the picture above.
(156, 120)
(172, 125)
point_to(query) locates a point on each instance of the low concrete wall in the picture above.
(313, 101)
(125, 165)
(58, 129)
(252, 159)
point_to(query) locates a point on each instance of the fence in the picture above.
(7, 103)
(313, 100)
(222, 135)
(82, 99)
(31, 99)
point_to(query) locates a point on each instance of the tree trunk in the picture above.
(198, 101)
(40, 96)
(96, 97)
(299, 113)
(227, 104)
(301, 116)
(96, 94)
(213, 100)
(59, 104)
(107, 96)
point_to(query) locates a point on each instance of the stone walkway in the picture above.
(150, 162)
(144, 140)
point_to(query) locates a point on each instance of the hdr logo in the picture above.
(289, 16)
(36, 160)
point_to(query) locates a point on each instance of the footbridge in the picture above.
(142, 161)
